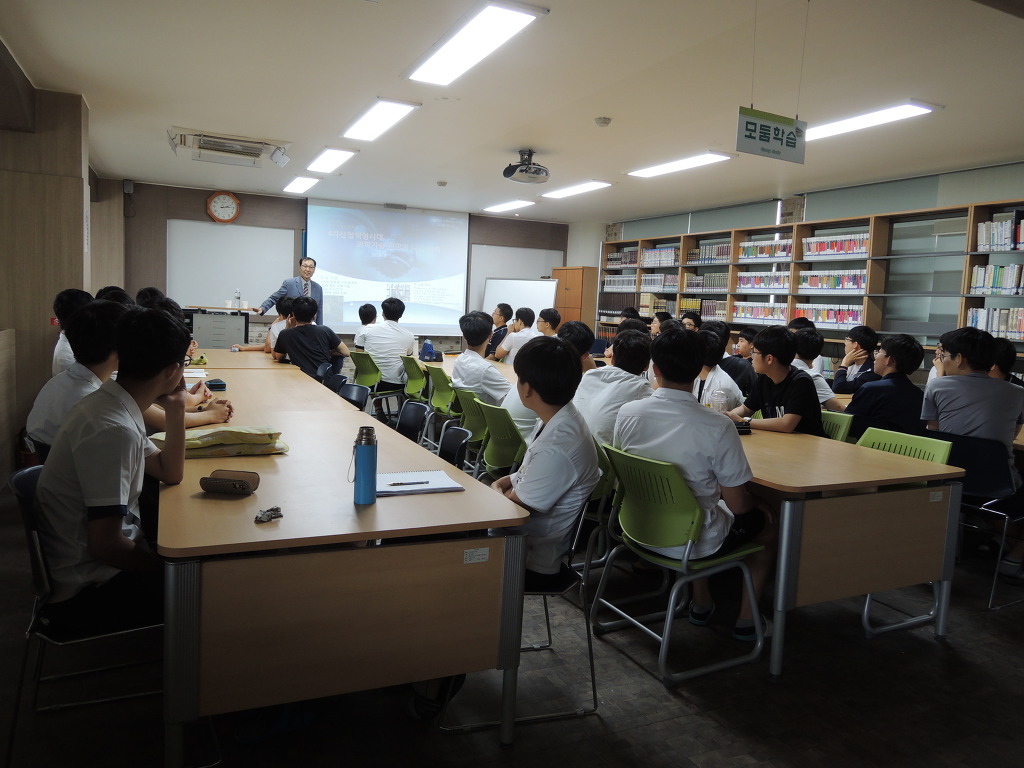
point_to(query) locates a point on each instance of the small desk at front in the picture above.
(295, 609)
(837, 541)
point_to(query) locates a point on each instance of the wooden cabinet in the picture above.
(577, 293)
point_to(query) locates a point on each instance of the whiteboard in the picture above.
(486, 261)
(207, 261)
(535, 294)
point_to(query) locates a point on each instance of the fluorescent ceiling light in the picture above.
(329, 160)
(515, 204)
(379, 118)
(680, 165)
(579, 189)
(300, 184)
(870, 120)
(481, 36)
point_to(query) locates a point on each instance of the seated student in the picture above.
(559, 469)
(808, 349)
(629, 313)
(307, 344)
(1005, 358)
(149, 297)
(581, 338)
(115, 293)
(856, 368)
(91, 332)
(894, 401)
(802, 323)
(603, 391)
(102, 568)
(744, 343)
(522, 332)
(65, 304)
(741, 371)
(471, 370)
(712, 378)
(784, 395)
(547, 321)
(367, 317)
(691, 320)
(672, 426)
(658, 319)
(386, 342)
(500, 317)
(284, 311)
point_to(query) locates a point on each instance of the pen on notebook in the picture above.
(417, 482)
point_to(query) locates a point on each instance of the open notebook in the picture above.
(402, 483)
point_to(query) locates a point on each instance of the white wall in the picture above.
(584, 249)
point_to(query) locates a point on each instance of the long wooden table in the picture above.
(837, 539)
(299, 608)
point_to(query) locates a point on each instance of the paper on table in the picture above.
(403, 483)
(195, 373)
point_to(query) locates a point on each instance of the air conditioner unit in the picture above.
(223, 148)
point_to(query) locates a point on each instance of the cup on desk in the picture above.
(245, 305)
(227, 303)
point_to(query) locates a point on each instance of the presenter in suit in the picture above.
(302, 285)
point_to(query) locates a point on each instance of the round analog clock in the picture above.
(223, 207)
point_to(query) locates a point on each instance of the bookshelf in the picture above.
(919, 272)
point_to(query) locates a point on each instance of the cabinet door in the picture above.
(570, 286)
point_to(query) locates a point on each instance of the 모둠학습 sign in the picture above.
(773, 136)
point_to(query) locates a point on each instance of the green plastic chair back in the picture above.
(505, 445)
(914, 446)
(442, 396)
(473, 419)
(416, 378)
(837, 425)
(607, 482)
(367, 372)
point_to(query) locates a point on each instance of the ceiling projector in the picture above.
(526, 171)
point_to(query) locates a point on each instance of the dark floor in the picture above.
(899, 699)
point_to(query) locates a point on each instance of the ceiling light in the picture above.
(515, 204)
(379, 118)
(478, 38)
(329, 160)
(680, 165)
(579, 189)
(300, 184)
(870, 120)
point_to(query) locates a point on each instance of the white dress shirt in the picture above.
(514, 342)
(602, 392)
(719, 379)
(821, 386)
(385, 341)
(471, 371)
(58, 396)
(63, 356)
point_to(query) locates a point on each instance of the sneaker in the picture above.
(1012, 569)
(749, 634)
(701, 618)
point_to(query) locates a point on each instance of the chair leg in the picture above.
(547, 624)
(9, 751)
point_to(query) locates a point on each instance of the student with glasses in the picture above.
(894, 401)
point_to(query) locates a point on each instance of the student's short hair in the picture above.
(92, 331)
(475, 329)
(284, 305)
(551, 316)
(1005, 355)
(865, 336)
(578, 335)
(808, 343)
(777, 341)
(551, 366)
(747, 333)
(505, 310)
(170, 306)
(799, 323)
(692, 315)
(661, 317)
(367, 314)
(679, 354)
(719, 327)
(629, 312)
(304, 308)
(632, 351)
(714, 347)
(905, 351)
(307, 258)
(526, 315)
(148, 341)
(392, 308)
(669, 324)
(69, 301)
(148, 297)
(977, 347)
(115, 293)
(632, 324)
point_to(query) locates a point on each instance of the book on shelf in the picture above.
(710, 253)
(623, 259)
(1003, 235)
(835, 247)
(710, 282)
(663, 256)
(1007, 322)
(660, 282)
(712, 309)
(753, 250)
(832, 281)
(831, 315)
(620, 284)
(759, 312)
(996, 280)
(760, 281)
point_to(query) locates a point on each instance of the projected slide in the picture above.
(365, 255)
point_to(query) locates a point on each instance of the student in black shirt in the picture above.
(501, 315)
(894, 401)
(307, 345)
(785, 396)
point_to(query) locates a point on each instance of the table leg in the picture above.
(511, 631)
(510, 679)
(181, 655)
(791, 517)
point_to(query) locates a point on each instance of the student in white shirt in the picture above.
(548, 321)
(712, 378)
(808, 349)
(522, 332)
(603, 391)
(367, 317)
(799, 324)
(386, 342)
(65, 304)
(471, 370)
(284, 311)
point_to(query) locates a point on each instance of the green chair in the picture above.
(442, 401)
(505, 446)
(597, 511)
(657, 509)
(916, 447)
(837, 425)
(415, 379)
(475, 423)
(368, 375)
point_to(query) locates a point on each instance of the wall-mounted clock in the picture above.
(223, 207)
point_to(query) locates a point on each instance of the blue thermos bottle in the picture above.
(365, 451)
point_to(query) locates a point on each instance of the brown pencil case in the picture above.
(234, 481)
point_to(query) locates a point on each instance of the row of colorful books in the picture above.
(660, 282)
(753, 250)
(997, 280)
(763, 281)
(710, 253)
(659, 257)
(999, 235)
(835, 246)
(833, 280)
(1007, 322)
(831, 315)
(710, 282)
(620, 259)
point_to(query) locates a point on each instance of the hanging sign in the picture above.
(773, 136)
